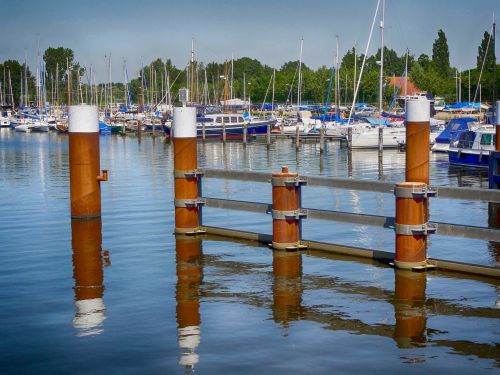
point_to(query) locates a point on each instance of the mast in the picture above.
(299, 88)
(191, 75)
(381, 101)
(274, 86)
(57, 85)
(406, 78)
(469, 85)
(244, 89)
(355, 66)
(232, 75)
(494, 65)
(25, 79)
(69, 81)
(110, 86)
(11, 94)
(337, 77)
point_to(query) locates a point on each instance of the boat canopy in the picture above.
(453, 128)
(462, 105)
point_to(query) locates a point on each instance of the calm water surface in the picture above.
(126, 296)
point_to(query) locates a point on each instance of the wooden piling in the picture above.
(203, 132)
(223, 131)
(297, 137)
(245, 135)
(286, 211)
(417, 140)
(321, 139)
(381, 139)
(349, 138)
(268, 135)
(84, 162)
(187, 178)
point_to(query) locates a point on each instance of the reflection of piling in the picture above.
(224, 135)
(287, 213)
(245, 135)
(409, 306)
(88, 275)
(297, 137)
(321, 139)
(381, 139)
(189, 278)
(417, 140)
(187, 177)
(84, 163)
(287, 286)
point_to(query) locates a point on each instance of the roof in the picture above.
(411, 89)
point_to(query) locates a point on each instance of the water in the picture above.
(220, 305)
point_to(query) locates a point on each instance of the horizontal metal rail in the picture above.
(444, 229)
(470, 194)
(378, 255)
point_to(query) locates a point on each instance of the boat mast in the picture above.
(232, 75)
(299, 88)
(244, 89)
(191, 73)
(381, 83)
(11, 94)
(25, 79)
(69, 81)
(274, 86)
(337, 77)
(355, 66)
(494, 65)
(110, 87)
(406, 78)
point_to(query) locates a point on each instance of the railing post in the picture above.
(186, 174)
(286, 210)
(84, 162)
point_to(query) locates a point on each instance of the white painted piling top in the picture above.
(498, 113)
(184, 123)
(83, 118)
(418, 110)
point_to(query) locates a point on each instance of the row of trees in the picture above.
(252, 79)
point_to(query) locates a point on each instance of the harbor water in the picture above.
(229, 306)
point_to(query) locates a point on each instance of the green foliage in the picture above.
(17, 72)
(441, 54)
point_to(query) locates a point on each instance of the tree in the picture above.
(441, 54)
(56, 61)
(485, 50)
(16, 71)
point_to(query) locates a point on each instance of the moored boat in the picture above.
(471, 148)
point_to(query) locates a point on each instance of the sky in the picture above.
(139, 31)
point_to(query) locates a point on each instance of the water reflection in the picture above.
(88, 275)
(409, 307)
(494, 247)
(287, 286)
(189, 277)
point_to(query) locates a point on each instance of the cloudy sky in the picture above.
(141, 30)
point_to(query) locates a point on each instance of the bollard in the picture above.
(286, 211)
(381, 139)
(411, 226)
(245, 134)
(409, 308)
(84, 162)
(203, 132)
(297, 137)
(417, 140)
(287, 287)
(187, 176)
(86, 239)
(321, 139)
(349, 138)
(187, 295)
(224, 131)
(268, 135)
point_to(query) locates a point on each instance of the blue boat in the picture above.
(471, 148)
(451, 131)
(232, 123)
(104, 128)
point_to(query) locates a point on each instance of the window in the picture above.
(234, 119)
(486, 139)
(218, 120)
(240, 119)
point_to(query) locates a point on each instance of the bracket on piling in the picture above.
(189, 203)
(289, 181)
(416, 230)
(190, 173)
(415, 192)
(290, 215)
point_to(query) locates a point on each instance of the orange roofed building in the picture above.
(395, 82)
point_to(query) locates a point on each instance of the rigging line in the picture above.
(482, 66)
(363, 64)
